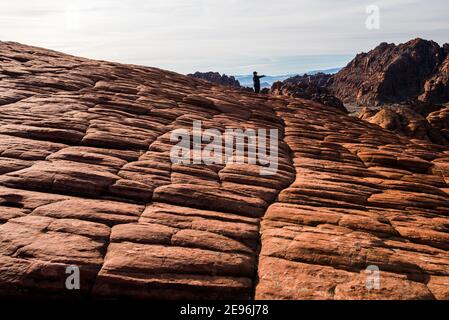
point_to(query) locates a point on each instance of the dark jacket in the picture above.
(256, 80)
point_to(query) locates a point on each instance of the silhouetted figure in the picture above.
(256, 80)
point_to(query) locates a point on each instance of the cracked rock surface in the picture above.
(86, 179)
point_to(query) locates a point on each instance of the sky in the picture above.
(229, 36)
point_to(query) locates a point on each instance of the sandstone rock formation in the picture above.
(436, 89)
(362, 196)
(217, 78)
(395, 73)
(319, 79)
(404, 119)
(311, 87)
(86, 180)
(420, 121)
(415, 74)
(439, 121)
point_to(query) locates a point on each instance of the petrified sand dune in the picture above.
(86, 180)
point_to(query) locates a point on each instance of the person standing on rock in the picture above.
(256, 80)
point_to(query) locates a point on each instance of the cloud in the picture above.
(185, 35)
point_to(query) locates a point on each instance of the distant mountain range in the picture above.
(267, 82)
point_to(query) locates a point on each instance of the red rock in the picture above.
(311, 87)
(191, 271)
(439, 287)
(211, 198)
(388, 73)
(435, 88)
(217, 78)
(102, 211)
(86, 179)
(414, 121)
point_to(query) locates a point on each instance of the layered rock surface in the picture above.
(86, 180)
(362, 197)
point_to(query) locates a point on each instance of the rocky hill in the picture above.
(436, 89)
(217, 78)
(311, 87)
(395, 73)
(86, 180)
(409, 82)
(319, 79)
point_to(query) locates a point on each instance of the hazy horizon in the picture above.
(232, 37)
